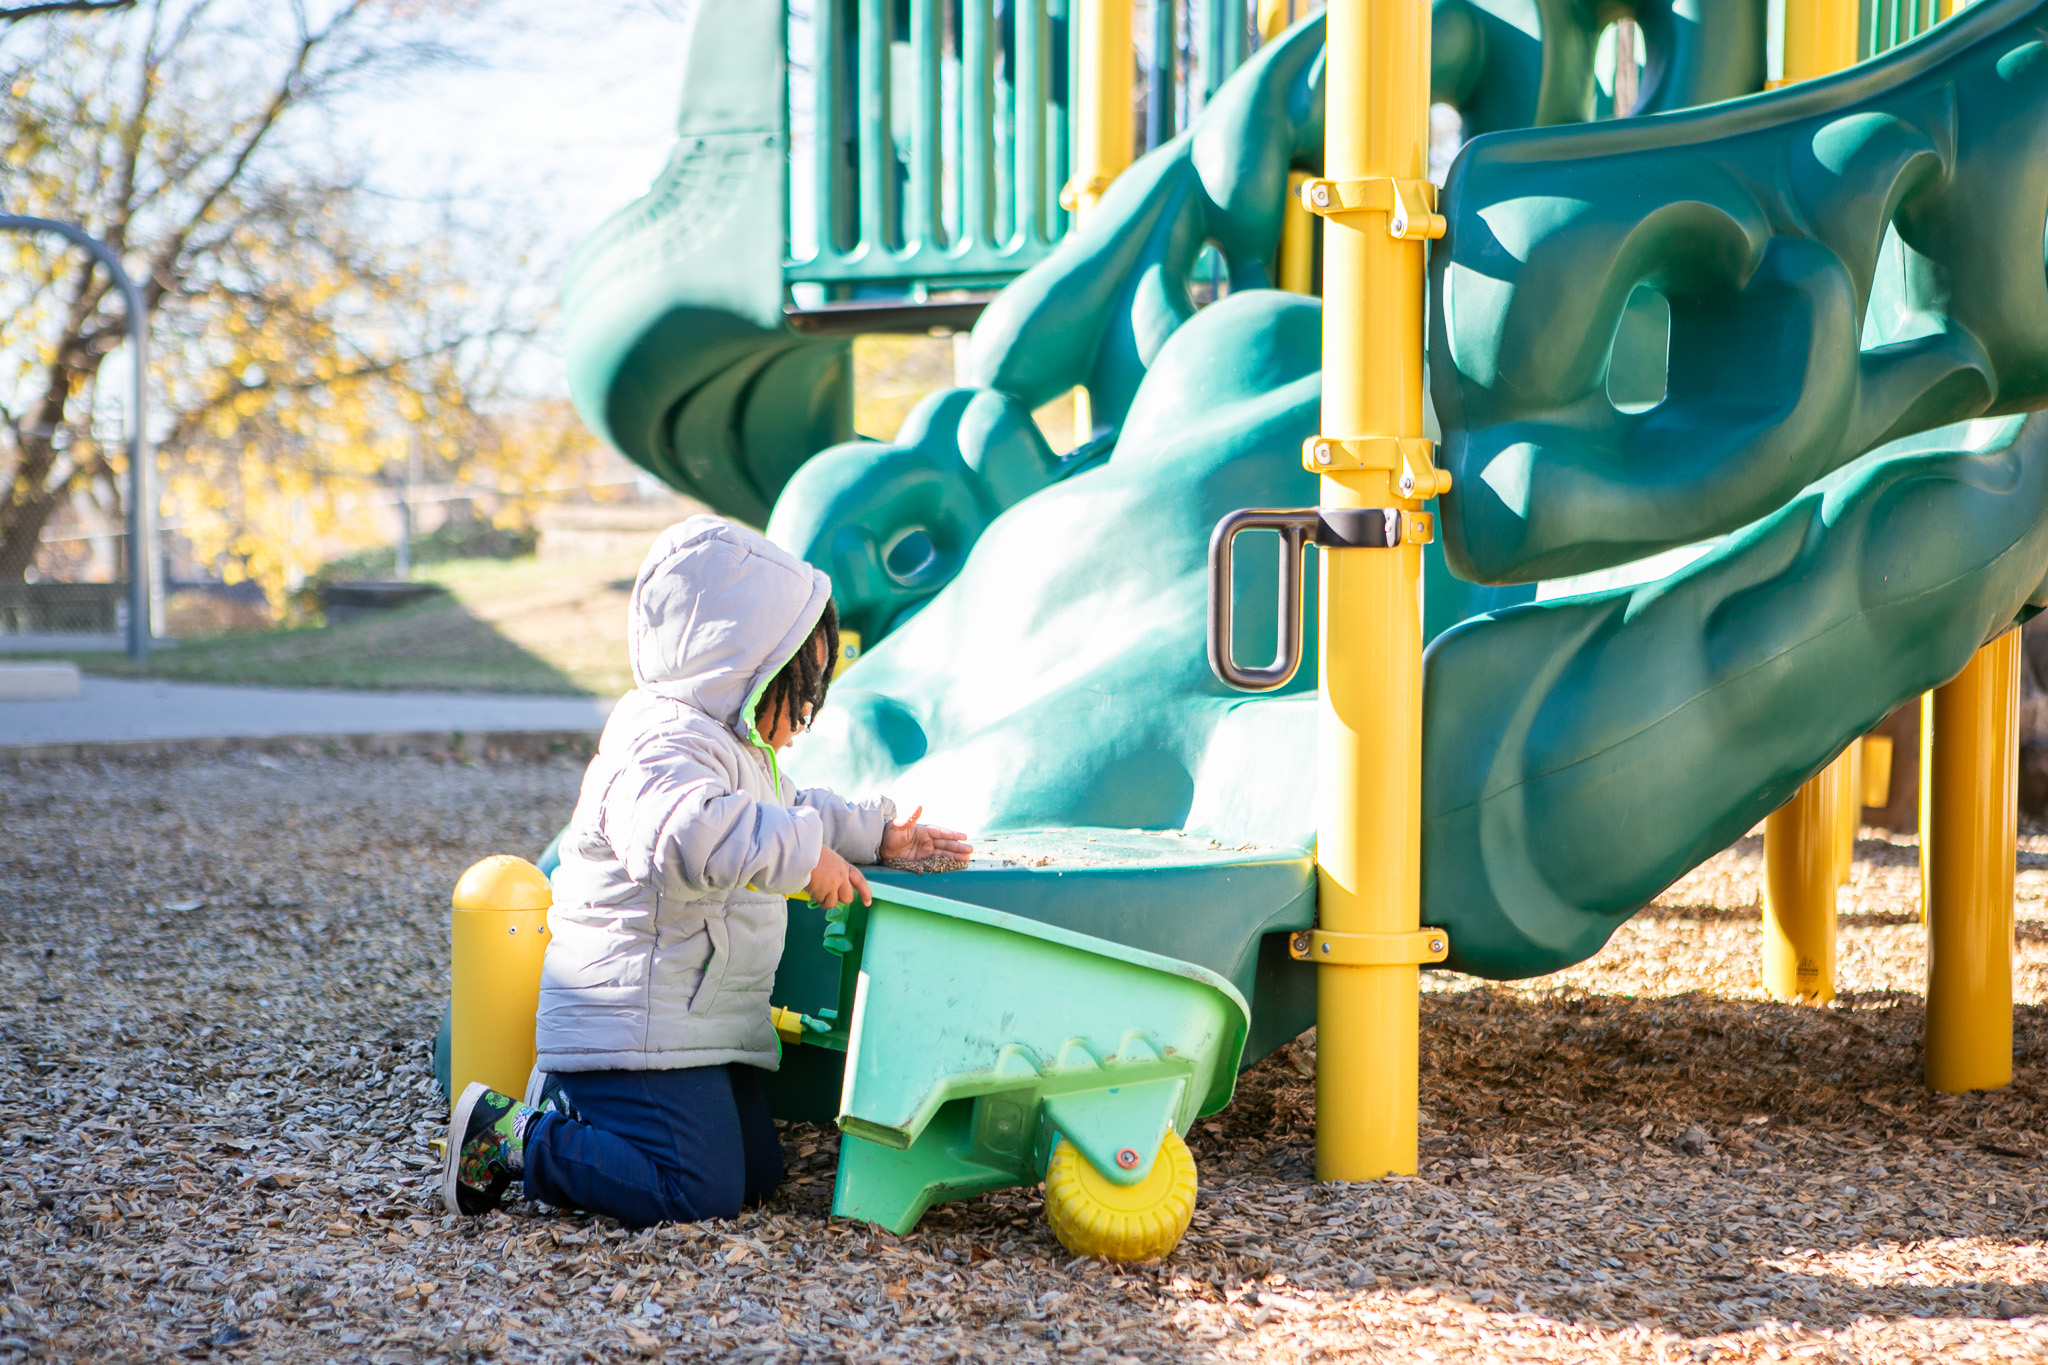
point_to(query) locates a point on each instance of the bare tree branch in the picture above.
(14, 13)
(298, 339)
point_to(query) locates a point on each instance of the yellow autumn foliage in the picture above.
(307, 353)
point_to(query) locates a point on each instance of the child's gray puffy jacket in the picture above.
(668, 916)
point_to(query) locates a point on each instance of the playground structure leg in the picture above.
(1969, 811)
(1799, 891)
(1849, 809)
(1809, 842)
(1820, 38)
(1370, 736)
(1295, 267)
(1103, 143)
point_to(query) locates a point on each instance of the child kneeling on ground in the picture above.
(667, 926)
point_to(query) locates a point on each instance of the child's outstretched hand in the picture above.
(907, 841)
(835, 881)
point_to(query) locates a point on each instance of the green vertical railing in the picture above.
(1226, 42)
(1888, 23)
(944, 132)
(947, 167)
(876, 141)
(925, 210)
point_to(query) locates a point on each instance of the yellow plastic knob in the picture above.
(1094, 1216)
(503, 882)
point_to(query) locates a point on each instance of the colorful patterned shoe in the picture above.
(486, 1149)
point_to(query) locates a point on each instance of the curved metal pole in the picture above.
(141, 510)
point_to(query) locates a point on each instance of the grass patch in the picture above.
(505, 626)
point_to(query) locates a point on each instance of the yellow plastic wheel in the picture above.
(1093, 1216)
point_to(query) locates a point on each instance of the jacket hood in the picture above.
(716, 611)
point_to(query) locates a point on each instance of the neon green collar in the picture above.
(753, 702)
(774, 768)
(754, 731)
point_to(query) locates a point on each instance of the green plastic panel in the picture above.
(1845, 262)
(1099, 310)
(1581, 754)
(977, 1035)
(1224, 909)
(1227, 910)
(1530, 63)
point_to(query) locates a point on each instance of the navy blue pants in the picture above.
(657, 1146)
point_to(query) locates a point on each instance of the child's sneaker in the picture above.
(486, 1149)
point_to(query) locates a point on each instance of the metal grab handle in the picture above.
(1297, 526)
(1333, 528)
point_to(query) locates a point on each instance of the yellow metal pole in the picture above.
(500, 936)
(1820, 38)
(1369, 851)
(1277, 16)
(1850, 807)
(1969, 837)
(1877, 771)
(1799, 892)
(1803, 839)
(1103, 142)
(1295, 268)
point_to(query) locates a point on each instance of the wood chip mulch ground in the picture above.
(215, 1107)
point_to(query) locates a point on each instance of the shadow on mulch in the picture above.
(1500, 1066)
(1750, 1107)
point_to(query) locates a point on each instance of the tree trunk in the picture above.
(30, 501)
(27, 504)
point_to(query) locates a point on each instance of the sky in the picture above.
(562, 115)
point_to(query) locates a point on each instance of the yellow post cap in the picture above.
(503, 882)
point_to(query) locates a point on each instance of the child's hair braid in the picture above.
(803, 681)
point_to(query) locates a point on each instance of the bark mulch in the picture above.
(216, 975)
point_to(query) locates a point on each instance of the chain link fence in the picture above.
(62, 608)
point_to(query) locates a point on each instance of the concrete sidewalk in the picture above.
(116, 716)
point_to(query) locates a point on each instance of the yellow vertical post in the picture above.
(1820, 38)
(500, 936)
(1103, 141)
(1277, 16)
(1294, 267)
(1969, 837)
(1850, 809)
(1804, 849)
(1372, 456)
(1799, 892)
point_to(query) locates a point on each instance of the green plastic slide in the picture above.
(672, 313)
(1805, 325)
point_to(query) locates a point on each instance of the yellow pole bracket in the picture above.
(1074, 192)
(1410, 205)
(1370, 950)
(1414, 456)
